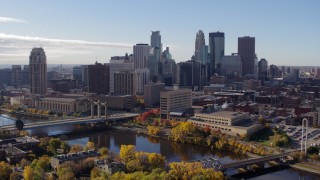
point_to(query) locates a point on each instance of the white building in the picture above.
(140, 55)
(117, 66)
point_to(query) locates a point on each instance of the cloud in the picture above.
(16, 47)
(6, 19)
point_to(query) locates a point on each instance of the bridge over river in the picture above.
(84, 120)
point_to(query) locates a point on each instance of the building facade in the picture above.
(123, 64)
(151, 94)
(140, 55)
(216, 51)
(246, 50)
(176, 100)
(98, 78)
(140, 78)
(123, 83)
(38, 71)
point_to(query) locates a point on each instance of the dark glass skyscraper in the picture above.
(246, 50)
(216, 51)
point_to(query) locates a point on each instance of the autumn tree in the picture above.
(127, 152)
(156, 160)
(181, 131)
(28, 173)
(65, 173)
(90, 145)
(153, 130)
(104, 151)
(5, 170)
(95, 172)
(76, 148)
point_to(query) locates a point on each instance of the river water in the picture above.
(173, 151)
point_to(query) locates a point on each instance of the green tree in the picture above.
(54, 144)
(65, 147)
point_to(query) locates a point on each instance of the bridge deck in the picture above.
(70, 121)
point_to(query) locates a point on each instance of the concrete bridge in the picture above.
(256, 161)
(84, 120)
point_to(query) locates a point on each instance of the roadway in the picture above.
(113, 117)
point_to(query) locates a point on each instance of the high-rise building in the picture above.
(263, 70)
(123, 83)
(140, 78)
(168, 72)
(166, 54)
(199, 44)
(151, 94)
(16, 70)
(140, 55)
(6, 77)
(190, 74)
(216, 51)
(153, 63)
(25, 76)
(98, 78)
(38, 71)
(156, 40)
(246, 50)
(231, 67)
(122, 63)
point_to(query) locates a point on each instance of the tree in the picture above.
(127, 152)
(76, 148)
(19, 124)
(95, 172)
(5, 170)
(181, 131)
(65, 147)
(104, 151)
(90, 145)
(54, 144)
(28, 173)
(153, 130)
(65, 173)
(156, 160)
(15, 176)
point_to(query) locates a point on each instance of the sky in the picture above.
(82, 32)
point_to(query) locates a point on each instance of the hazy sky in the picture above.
(79, 32)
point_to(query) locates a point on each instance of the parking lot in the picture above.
(295, 133)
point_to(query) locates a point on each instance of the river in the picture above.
(173, 151)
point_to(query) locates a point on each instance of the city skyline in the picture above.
(285, 35)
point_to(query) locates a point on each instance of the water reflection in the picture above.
(173, 151)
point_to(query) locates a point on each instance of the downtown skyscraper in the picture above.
(199, 45)
(246, 50)
(216, 51)
(38, 71)
(156, 40)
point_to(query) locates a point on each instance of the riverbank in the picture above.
(163, 135)
(307, 167)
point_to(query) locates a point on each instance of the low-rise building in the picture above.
(75, 157)
(233, 123)
(110, 167)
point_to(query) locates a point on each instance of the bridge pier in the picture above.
(99, 104)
